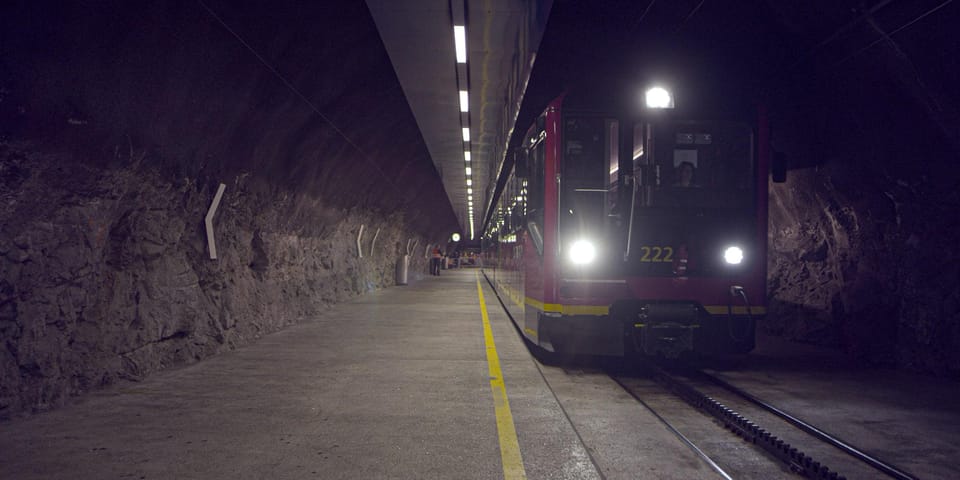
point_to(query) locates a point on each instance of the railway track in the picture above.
(800, 447)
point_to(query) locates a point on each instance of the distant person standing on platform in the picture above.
(435, 258)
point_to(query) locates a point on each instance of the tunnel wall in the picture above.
(106, 273)
(863, 236)
(117, 123)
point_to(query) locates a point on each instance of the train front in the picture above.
(661, 233)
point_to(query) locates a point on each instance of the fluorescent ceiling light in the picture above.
(469, 191)
(469, 182)
(466, 134)
(464, 101)
(466, 155)
(469, 171)
(460, 39)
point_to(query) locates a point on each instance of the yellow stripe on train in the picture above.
(737, 310)
(605, 310)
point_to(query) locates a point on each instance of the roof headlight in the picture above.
(658, 97)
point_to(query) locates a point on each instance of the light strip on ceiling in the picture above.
(460, 39)
(460, 43)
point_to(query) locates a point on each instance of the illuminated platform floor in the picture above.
(399, 384)
(395, 384)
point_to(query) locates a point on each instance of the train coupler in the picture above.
(665, 329)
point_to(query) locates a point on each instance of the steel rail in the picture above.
(812, 430)
(709, 461)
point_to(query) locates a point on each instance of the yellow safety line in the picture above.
(509, 446)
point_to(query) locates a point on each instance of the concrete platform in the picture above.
(399, 384)
(395, 384)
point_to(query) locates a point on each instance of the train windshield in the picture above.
(691, 177)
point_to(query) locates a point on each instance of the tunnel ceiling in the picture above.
(501, 40)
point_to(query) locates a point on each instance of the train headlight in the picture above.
(658, 97)
(733, 255)
(582, 252)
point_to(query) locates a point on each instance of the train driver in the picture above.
(685, 174)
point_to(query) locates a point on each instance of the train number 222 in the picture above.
(656, 254)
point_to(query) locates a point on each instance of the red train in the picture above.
(621, 230)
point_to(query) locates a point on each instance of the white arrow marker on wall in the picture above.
(209, 221)
(373, 244)
(359, 248)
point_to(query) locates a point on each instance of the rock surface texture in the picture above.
(106, 273)
(118, 123)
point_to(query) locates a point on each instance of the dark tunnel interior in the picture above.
(119, 120)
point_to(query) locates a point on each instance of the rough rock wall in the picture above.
(105, 273)
(865, 248)
(876, 274)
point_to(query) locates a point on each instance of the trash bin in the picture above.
(403, 265)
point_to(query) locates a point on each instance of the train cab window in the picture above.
(588, 176)
(584, 155)
(584, 171)
(702, 165)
